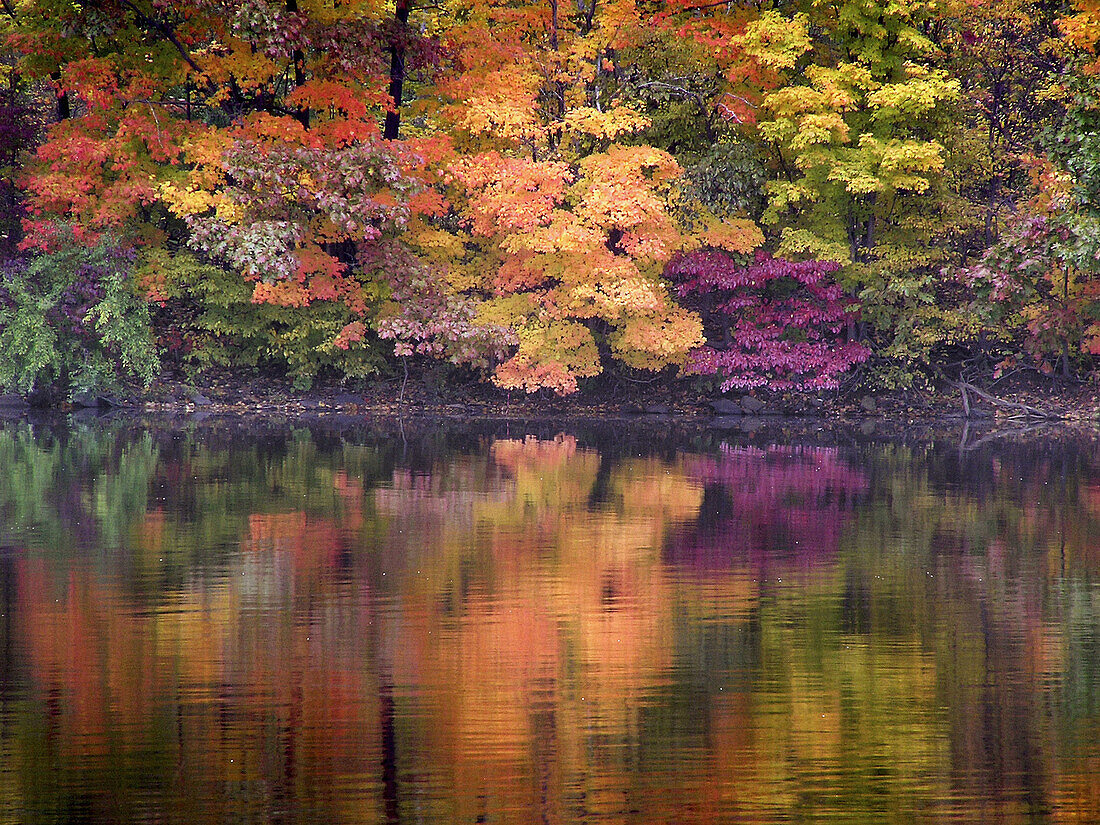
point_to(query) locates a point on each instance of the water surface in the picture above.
(523, 625)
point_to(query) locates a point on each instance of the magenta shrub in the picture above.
(772, 323)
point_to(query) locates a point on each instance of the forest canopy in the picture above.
(778, 194)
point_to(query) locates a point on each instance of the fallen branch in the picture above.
(1021, 410)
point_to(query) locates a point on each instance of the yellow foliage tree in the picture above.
(559, 217)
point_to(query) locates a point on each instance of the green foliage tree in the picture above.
(71, 321)
(855, 133)
(208, 317)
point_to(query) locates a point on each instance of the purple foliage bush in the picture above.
(771, 323)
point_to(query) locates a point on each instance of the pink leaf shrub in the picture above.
(772, 323)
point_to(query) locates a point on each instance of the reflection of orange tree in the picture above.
(557, 618)
(273, 713)
(311, 545)
(1077, 794)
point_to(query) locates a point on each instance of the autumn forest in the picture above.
(782, 194)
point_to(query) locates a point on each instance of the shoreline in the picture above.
(229, 395)
(233, 402)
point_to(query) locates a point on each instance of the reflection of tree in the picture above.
(537, 621)
(78, 488)
(216, 704)
(533, 630)
(988, 554)
(191, 638)
(767, 506)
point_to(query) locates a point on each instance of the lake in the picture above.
(532, 623)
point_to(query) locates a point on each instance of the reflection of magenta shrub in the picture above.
(763, 505)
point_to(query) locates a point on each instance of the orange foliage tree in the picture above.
(248, 132)
(559, 214)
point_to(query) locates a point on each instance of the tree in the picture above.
(855, 133)
(503, 183)
(71, 321)
(560, 216)
(847, 127)
(1036, 280)
(248, 131)
(577, 250)
(1041, 280)
(773, 323)
(1000, 54)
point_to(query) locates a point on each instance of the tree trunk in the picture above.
(390, 799)
(301, 114)
(63, 110)
(397, 70)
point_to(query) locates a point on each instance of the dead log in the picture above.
(1020, 410)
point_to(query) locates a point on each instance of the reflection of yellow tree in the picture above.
(998, 559)
(1077, 796)
(857, 711)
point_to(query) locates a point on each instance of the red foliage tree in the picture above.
(773, 323)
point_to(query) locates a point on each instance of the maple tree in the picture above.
(1080, 29)
(569, 250)
(560, 227)
(250, 132)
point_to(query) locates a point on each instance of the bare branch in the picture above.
(1025, 410)
(704, 6)
(729, 112)
(165, 31)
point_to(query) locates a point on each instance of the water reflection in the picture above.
(768, 508)
(306, 626)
